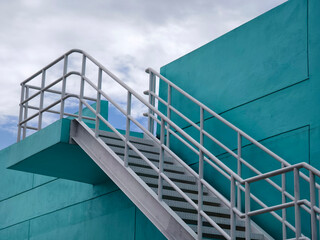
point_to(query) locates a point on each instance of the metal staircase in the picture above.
(177, 199)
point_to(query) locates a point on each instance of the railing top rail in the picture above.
(283, 170)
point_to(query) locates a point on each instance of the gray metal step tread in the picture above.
(131, 138)
(194, 197)
(179, 206)
(188, 187)
(207, 231)
(193, 217)
(150, 156)
(120, 143)
(171, 176)
(167, 167)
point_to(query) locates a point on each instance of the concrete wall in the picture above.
(264, 78)
(37, 207)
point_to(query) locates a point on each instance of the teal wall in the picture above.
(264, 78)
(37, 207)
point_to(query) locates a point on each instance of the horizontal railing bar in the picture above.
(59, 92)
(31, 128)
(50, 85)
(46, 108)
(271, 209)
(67, 114)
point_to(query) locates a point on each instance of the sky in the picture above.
(126, 36)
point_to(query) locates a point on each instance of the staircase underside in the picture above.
(48, 152)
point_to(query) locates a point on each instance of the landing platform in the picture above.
(48, 152)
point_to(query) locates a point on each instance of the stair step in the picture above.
(174, 195)
(187, 187)
(212, 233)
(151, 156)
(119, 143)
(210, 209)
(173, 176)
(143, 141)
(192, 219)
(167, 167)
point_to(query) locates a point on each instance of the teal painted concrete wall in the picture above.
(264, 77)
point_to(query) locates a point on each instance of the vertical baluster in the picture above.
(63, 90)
(239, 170)
(296, 205)
(233, 205)
(83, 72)
(313, 203)
(126, 148)
(43, 80)
(26, 113)
(20, 112)
(98, 106)
(161, 160)
(168, 115)
(247, 210)
(284, 210)
(152, 85)
(201, 174)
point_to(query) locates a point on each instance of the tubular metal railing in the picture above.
(167, 128)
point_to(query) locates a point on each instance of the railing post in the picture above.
(126, 147)
(239, 170)
(98, 106)
(25, 113)
(152, 85)
(63, 90)
(168, 115)
(20, 112)
(283, 200)
(161, 160)
(313, 203)
(83, 72)
(201, 174)
(233, 205)
(247, 210)
(296, 205)
(43, 79)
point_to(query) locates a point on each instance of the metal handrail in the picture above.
(167, 103)
(167, 124)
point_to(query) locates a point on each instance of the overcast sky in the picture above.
(126, 36)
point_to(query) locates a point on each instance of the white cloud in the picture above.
(125, 36)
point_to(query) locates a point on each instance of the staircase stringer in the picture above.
(166, 220)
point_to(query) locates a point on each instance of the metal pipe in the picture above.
(296, 205)
(20, 112)
(233, 205)
(283, 201)
(161, 160)
(83, 72)
(126, 147)
(26, 107)
(247, 210)
(313, 215)
(64, 82)
(43, 79)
